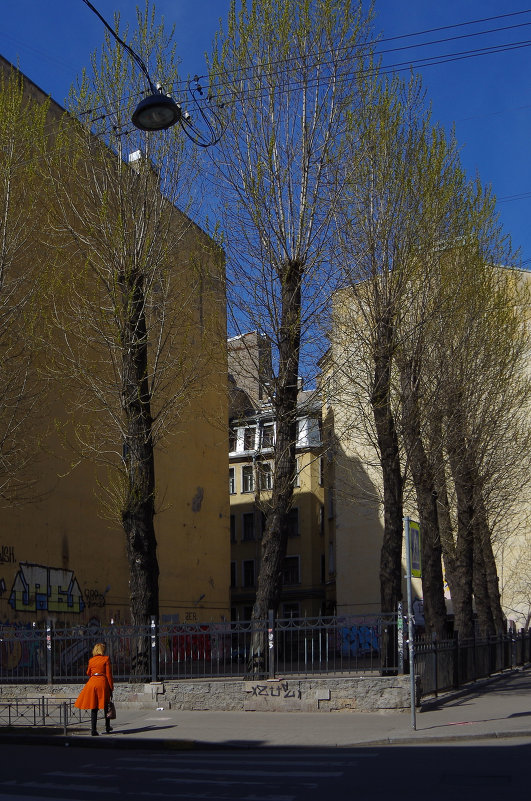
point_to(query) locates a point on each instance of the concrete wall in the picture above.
(322, 694)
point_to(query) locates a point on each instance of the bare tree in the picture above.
(286, 74)
(135, 319)
(395, 207)
(484, 399)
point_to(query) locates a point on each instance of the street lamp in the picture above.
(155, 112)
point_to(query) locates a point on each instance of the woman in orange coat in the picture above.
(98, 690)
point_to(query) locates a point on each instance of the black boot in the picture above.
(93, 721)
(108, 728)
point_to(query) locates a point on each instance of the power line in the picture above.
(267, 71)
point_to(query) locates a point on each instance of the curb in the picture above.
(137, 743)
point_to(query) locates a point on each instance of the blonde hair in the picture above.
(99, 649)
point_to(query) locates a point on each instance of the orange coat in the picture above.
(97, 691)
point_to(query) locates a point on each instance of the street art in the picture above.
(278, 691)
(7, 554)
(38, 588)
(359, 640)
(94, 598)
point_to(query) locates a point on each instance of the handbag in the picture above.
(110, 713)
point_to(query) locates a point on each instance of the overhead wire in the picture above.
(266, 69)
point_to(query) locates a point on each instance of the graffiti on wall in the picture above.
(278, 691)
(359, 640)
(51, 589)
(7, 554)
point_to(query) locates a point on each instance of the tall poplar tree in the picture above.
(286, 75)
(134, 326)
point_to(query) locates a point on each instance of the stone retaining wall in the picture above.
(320, 694)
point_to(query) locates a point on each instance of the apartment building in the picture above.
(251, 468)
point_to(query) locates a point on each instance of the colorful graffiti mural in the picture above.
(40, 588)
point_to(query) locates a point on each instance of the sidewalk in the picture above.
(499, 707)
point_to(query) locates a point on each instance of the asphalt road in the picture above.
(461, 772)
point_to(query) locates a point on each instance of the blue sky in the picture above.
(487, 97)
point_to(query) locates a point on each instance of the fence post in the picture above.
(154, 649)
(455, 652)
(271, 643)
(49, 667)
(435, 661)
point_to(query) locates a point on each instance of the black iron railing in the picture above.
(272, 647)
(448, 664)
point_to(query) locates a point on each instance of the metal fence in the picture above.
(273, 647)
(42, 711)
(448, 664)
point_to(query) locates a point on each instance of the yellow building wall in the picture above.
(60, 559)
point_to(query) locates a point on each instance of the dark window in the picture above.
(266, 476)
(247, 478)
(232, 440)
(290, 570)
(233, 574)
(248, 526)
(268, 437)
(233, 528)
(248, 439)
(232, 482)
(293, 522)
(248, 572)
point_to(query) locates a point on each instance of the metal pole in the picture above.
(271, 643)
(410, 626)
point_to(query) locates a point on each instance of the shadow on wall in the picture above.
(354, 514)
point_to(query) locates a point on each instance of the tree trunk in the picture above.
(391, 553)
(491, 571)
(424, 481)
(464, 551)
(446, 532)
(481, 590)
(139, 503)
(275, 536)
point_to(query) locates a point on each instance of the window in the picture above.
(266, 476)
(232, 440)
(323, 569)
(248, 572)
(247, 478)
(291, 570)
(321, 520)
(232, 482)
(293, 522)
(249, 435)
(321, 471)
(233, 528)
(297, 477)
(268, 436)
(233, 574)
(248, 527)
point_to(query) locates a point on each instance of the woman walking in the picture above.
(98, 690)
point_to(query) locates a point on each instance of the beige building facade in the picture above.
(61, 558)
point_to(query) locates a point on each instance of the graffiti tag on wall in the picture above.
(39, 588)
(279, 691)
(359, 640)
(7, 554)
